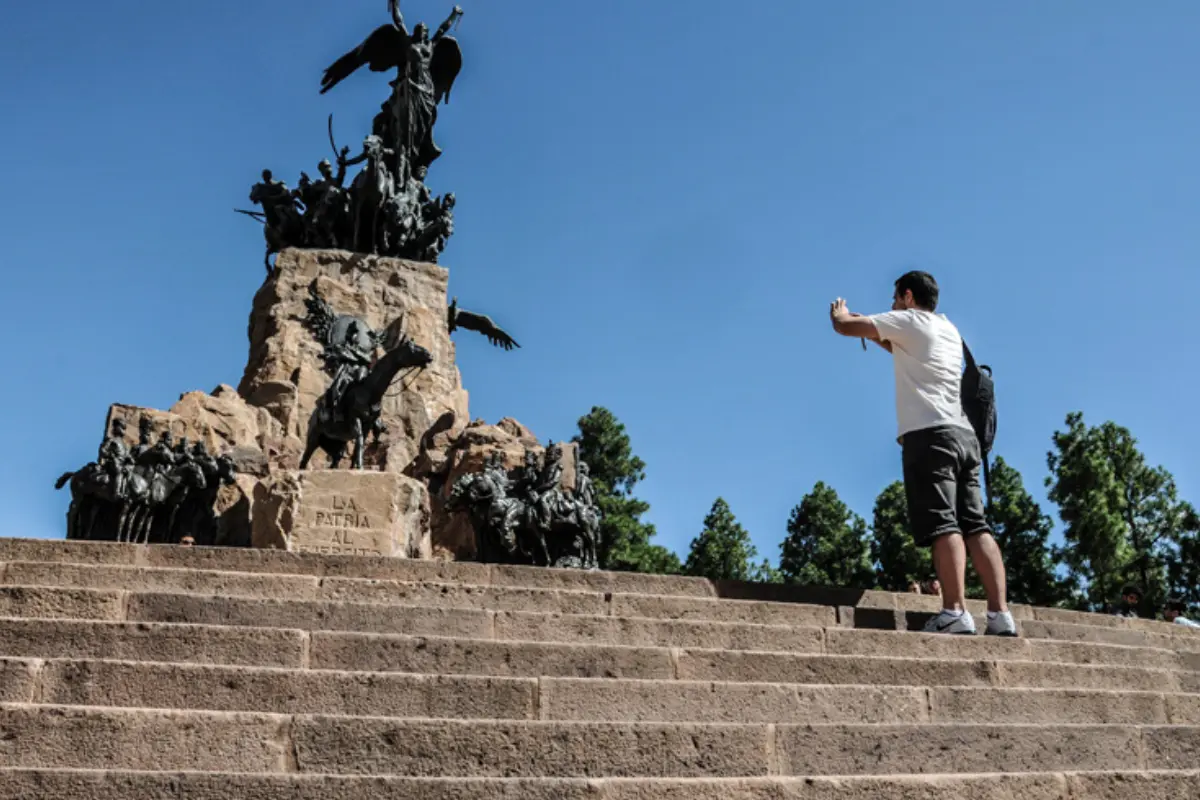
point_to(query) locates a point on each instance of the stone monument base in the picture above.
(342, 512)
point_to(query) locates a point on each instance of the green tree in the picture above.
(1023, 532)
(624, 537)
(826, 543)
(1124, 520)
(723, 550)
(1183, 565)
(898, 560)
(764, 572)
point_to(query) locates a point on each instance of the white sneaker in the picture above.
(1001, 624)
(946, 622)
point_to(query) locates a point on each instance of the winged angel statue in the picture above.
(425, 71)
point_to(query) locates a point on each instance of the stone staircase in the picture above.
(205, 674)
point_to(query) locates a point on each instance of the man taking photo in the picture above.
(940, 452)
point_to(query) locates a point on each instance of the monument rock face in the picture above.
(285, 376)
(342, 512)
(225, 423)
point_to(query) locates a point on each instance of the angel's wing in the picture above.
(384, 49)
(444, 67)
(478, 322)
(320, 317)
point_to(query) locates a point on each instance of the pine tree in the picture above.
(898, 560)
(723, 550)
(624, 537)
(826, 543)
(1183, 564)
(1124, 520)
(1023, 532)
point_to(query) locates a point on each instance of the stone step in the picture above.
(282, 691)
(276, 562)
(18, 575)
(430, 654)
(1180, 639)
(26, 784)
(348, 651)
(138, 641)
(286, 563)
(116, 605)
(75, 737)
(474, 624)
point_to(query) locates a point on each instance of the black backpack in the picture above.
(979, 404)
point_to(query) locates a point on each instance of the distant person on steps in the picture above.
(1131, 601)
(941, 454)
(1174, 611)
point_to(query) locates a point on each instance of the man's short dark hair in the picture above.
(923, 287)
(1175, 604)
(1131, 589)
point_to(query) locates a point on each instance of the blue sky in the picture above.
(659, 200)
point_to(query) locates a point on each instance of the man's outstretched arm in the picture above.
(856, 326)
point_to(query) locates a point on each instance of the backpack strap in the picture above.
(987, 477)
(971, 360)
(967, 354)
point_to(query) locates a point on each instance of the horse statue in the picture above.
(150, 492)
(92, 492)
(349, 419)
(195, 515)
(503, 534)
(514, 523)
(148, 505)
(371, 191)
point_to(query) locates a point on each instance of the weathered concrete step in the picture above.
(115, 605)
(299, 587)
(22, 584)
(285, 563)
(278, 562)
(1180, 640)
(429, 654)
(920, 645)
(337, 650)
(107, 738)
(428, 593)
(137, 641)
(1115, 622)
(584, 700)
(18, 784)
(280, 691)
(129, 684)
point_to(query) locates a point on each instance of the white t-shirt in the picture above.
(928, 358)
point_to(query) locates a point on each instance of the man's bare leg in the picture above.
(989, 563)
(950, 563)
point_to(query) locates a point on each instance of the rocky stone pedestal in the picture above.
(342, 512)
(285, 376)
(396, 506)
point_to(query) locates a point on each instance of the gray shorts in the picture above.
(941, 483)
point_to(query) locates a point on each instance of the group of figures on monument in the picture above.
(387, 209)
(156, 492)
(525, 516)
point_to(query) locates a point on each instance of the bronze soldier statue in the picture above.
(113, 459)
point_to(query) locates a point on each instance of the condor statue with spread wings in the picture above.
(468, 320)
(426, 68)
